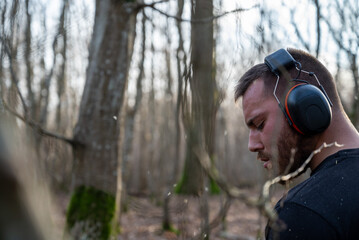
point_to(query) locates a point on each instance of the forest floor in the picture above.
(143, 220)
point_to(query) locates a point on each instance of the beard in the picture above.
(293, 150)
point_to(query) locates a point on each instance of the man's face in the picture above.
(269, 133)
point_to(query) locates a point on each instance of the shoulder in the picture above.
(298, 222)
(328, 200)
(336, 179)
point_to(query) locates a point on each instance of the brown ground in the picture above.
(144, 219)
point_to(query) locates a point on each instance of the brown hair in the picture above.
(309, 64)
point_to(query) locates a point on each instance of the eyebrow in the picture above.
(252, 121)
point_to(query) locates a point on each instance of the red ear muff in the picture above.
(290, 120)
(307, 109)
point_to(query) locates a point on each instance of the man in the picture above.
(326, 205)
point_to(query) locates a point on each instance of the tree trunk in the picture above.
(132, 111)
(180, 79)
(97, 128)
(61, 78)
(150, 145)
(165, 143)
(2, 56)
(29, 64)
(200, 124)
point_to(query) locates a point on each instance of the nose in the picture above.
(254, 142)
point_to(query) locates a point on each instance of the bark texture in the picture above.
(97, 156)
(97, 128)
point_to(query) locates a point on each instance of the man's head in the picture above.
(270, 134)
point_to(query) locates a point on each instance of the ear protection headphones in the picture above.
(307, 108)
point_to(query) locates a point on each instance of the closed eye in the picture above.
(260, 126)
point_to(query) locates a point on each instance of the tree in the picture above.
(200, 121)
(132, 111)
(97, 129)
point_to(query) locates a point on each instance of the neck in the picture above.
(340, 131)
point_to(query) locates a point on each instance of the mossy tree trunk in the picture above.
(98, 128)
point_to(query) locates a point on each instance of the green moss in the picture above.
(116, 230)
(170, 228)
(214, 189)
(94, 208)
(179, 189)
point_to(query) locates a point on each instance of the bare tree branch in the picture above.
(318, 17)
(212, 171)
(222, 213)
(39, 129)
(203, 20)
(140, 6)
(14, 77)
(285, 178)
(263, 202)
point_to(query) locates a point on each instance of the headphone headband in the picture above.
(280, 61)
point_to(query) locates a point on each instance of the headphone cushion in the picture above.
(308, 109)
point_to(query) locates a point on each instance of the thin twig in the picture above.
(229, 190)
(262, 203)
(222, 213)
(14, 77)
(285, 178)
(203, 20)
(39, 129)
(140, 6)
